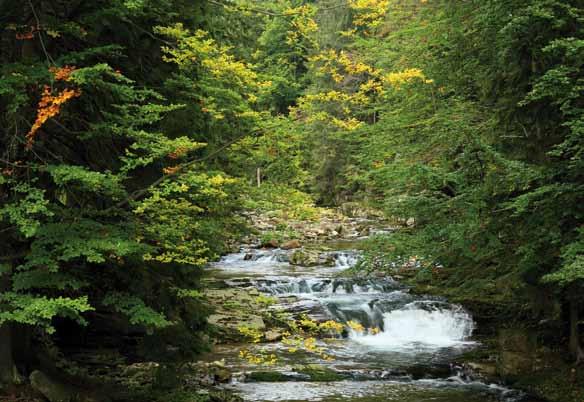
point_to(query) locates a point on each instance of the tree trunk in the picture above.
(575, 347)
(8, 373)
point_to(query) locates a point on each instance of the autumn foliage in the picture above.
(50, 105)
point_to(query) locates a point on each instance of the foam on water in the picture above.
(421, 325)
(324, 287)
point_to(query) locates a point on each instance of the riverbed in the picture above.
(410, 355)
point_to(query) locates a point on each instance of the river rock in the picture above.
(273, 336)
(304, 258)
(482, 370)
(272, 243)
(291, 244)
(220, 373)
(333, 234)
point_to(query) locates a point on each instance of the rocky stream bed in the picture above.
(394, 346)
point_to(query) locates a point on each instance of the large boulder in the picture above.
(50, 389)
(305, 258)
(55, 391)
(311, 258)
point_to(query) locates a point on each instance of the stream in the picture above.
(411, 358)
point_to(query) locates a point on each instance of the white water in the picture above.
(421, 325)
(344, 260)
(323, 286)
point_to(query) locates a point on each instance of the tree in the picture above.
(103, 213)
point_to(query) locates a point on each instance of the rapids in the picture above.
(410, 358)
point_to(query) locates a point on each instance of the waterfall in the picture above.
(422, 324)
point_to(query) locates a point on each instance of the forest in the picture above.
(144, 142)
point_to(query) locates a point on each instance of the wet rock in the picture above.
(320, 232)
(327, 259)
(256, 322)
(481, 370)
(429, 371)
(312, 258)
(272, 243)
(287, 299)
(304, 258)
(221, 375)
(319, 373)
(281, 257)
(292, 244)
(234, 308)
(267, 376)
(234, 322)
(210, 374)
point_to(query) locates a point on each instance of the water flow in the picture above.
(323, 287)
(401, 331)
(421, 324)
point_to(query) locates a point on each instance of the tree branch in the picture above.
(136, 194)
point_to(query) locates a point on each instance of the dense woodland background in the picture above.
(131, 134)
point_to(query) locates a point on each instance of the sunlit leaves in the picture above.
(370, 14)
(40, 310)
(302, 26)
(224, 81)
(170, 217)
(397, 79)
